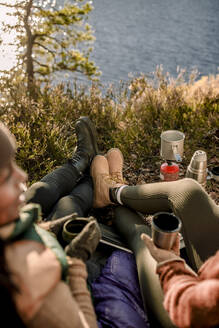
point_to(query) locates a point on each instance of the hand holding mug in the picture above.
(159, 254)
(86, 241)
(56, 226)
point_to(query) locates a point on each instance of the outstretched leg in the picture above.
(79, 201)
(130, 225)
(62, 180)
(187, 199)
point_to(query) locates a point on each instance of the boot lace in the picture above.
(108, 180)
(117, 177)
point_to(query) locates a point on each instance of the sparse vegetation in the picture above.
(130, 116)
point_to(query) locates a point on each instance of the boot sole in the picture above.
(92, 131)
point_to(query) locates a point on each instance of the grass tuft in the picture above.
(130, 116)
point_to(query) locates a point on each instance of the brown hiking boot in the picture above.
(115, 160)
(102, 181)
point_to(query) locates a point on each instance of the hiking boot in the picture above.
(102, 181)
(115, 160)
(86, 144)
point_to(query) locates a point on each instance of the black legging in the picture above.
(200, 220)
(62, 192)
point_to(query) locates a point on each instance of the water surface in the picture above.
(136, 36)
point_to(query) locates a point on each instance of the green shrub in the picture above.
(130, 116)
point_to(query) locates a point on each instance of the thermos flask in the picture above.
(197, 168)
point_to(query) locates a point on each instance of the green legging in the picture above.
(200, 229)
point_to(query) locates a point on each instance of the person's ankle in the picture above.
(115, 194)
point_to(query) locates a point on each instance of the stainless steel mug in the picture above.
(72, 228)
(165, 227)
(172, 145)
(197, 168)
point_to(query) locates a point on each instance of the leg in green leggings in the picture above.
(130, 225)
(187, 199)
(200, 219)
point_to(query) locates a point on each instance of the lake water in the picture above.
(136, 36)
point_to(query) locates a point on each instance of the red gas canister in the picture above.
(169, 171)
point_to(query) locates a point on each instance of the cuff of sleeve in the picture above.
(176, 259)
(77, 267)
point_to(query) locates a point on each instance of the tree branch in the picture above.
(44, 47)
(52, 38)
(40, 64)
(12, 6)
(6, 5)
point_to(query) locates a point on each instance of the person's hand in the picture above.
(56, 226)
(85, 243)
(159, 254)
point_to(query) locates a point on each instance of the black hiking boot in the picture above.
(86, 144)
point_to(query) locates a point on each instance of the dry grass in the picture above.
(130, 116)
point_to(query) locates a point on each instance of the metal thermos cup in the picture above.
(197, 168)
(165, 227)
(172, 145)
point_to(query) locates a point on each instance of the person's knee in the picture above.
(36, 192)
(191, 186)
(67, 205)
(188, 191)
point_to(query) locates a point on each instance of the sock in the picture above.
(115, 194)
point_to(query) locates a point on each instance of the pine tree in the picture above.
(51, 38)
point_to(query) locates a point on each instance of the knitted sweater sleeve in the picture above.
(78, 286)
(67, 306)
(191, 300)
